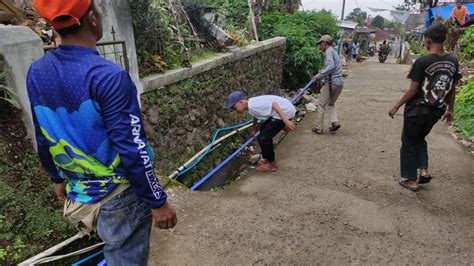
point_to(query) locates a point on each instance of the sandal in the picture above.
(317, 131)
(404, 183)
(424, 179)
(335, 127)
(266, 167)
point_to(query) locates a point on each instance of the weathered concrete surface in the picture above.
(158, 81)
(117, 15)
(20, 46)
(335, 199)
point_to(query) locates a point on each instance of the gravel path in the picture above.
(335, 198)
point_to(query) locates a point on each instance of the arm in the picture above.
(408, 95)
(328, 67)
(254, 126)
(45, 156)
(122, 118)
(451, 99)
(285, 119)
(47, 161)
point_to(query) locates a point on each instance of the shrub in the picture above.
(302, 30)
(464, 109)
(467, 46)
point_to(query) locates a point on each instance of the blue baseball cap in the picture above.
(234, 98)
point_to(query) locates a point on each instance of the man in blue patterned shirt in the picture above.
(90, 133)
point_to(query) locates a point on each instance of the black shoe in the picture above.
(335, 127)
(424, 179)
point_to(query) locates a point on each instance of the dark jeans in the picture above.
(414, 150)
(125, 225)
(268, 130)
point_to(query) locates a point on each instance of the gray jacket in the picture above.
(333, 66)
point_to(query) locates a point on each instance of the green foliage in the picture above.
(464, 109)
(378, 22)
(232, 13)
(302, 30)
(202, 55)
(418, 48)
(467, 46)
(357, 15)
(6, 93)
(157, 36)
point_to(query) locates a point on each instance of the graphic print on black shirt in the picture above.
(436, 75)
(438, 83)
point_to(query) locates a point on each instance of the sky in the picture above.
(336, 6)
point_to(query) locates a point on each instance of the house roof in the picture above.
(414, 20)
(365, 30)
(347, 24)
(380, 35)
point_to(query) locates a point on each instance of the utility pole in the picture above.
(342, 19)
(343, 7)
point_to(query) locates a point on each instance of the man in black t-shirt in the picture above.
(432, 91)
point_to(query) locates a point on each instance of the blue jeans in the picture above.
(414, 150)
(124, 224)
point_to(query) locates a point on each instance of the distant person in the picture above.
(432, 90)
(90, 136)
(355, 50)
(346, 51)
(332, 73)
(384, 49)
(460, 14)
(274, 112)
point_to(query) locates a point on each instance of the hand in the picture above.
(448, 117)
(60, 191)
(254, 131)
(165, 216)
(393, 111)
(290, 125)
(314, 78)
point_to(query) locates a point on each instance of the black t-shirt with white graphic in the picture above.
(436, 75)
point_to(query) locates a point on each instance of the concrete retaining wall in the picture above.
(20, 46)
(182, 108)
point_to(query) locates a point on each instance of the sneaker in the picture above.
(262, 161)
(267, 167)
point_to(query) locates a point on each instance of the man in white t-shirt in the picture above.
(274, 112)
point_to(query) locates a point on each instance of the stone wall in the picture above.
(183, 108)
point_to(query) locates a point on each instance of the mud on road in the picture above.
(335, 198)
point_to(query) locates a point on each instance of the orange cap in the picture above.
(50, 10)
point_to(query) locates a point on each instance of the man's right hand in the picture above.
(165, 216)
(60, 191)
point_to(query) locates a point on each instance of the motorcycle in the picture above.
(371, 51)
(382, 57)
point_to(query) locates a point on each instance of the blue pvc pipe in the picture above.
(199, 183)
(210, 146)
(205, 178)
(88, 258)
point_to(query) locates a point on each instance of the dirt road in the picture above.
(335, 198)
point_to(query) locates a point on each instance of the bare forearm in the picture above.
(408, 95)
(280, 112)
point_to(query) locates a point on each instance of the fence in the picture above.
(114, 51)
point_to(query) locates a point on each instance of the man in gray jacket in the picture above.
(332, 73)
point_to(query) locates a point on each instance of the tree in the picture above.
(378, 22)
(357, 15)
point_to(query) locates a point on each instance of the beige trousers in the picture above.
(327, 103)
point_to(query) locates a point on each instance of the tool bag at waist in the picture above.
(84, 216)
